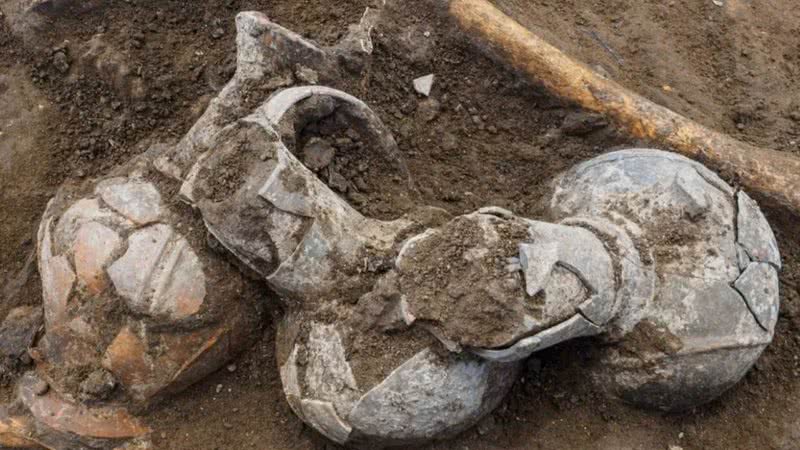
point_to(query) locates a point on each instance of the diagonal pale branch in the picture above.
(773, 174)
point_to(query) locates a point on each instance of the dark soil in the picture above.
(493, 139)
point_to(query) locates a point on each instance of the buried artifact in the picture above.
(395, 332)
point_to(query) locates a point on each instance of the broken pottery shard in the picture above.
(158, 275)
(692, 187)
(429, 397)
(323, 416)
(423, 85)
(497, 211)
(759, 286)
(537, 261)
(16, 431)
(290, 379)
(138, 201)
(127, 359)
(356, 46)
(358, 38)
(573, 328)
(701, 339)
(755, 234)
(742, 257)
(62, 416)
(328, 374)
(84, 211)
(58, 278)
(180, 284)
(131, 274)
(182, 359)
(92, 250)
(581, 252)
(636, 281)
(19, 330)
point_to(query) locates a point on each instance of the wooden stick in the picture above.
(774, 174)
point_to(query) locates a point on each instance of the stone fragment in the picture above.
(337, 181)
(318, 154)
(18, 331)
(61, 62)
(759, 286)
(92, 248)
(136, 200)
(396, 316)
(755, 234)
(97, 386)
(428, 110)
(423, 85)
(40, 387)
(582, 123)
(356, 45)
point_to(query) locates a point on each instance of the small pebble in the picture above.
(41, 387)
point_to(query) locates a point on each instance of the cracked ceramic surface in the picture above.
(606, 269)
(430, 395)
(280, 218)
(129, 298)
(272, 57)
(714, 305)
